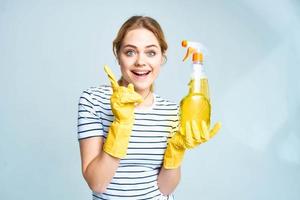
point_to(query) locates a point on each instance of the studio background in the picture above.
(50, 51)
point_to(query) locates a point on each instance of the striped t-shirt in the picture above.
(136, 176)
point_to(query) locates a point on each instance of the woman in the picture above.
(123, 130)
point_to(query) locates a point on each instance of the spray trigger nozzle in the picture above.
(189, 52)
(193, 48)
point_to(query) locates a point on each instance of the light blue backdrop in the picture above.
(51, 50)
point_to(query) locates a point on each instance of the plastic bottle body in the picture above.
(196, 105)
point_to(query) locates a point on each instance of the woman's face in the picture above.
(140, 58)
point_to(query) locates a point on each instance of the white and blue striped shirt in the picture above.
(136, 176)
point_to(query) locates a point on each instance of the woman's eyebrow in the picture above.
(148, 46)
(152, 45)
(129, 45)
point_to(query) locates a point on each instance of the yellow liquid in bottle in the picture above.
(196, 105)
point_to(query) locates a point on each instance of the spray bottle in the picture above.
(196, 105)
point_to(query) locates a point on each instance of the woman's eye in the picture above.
(129, 53)
(151, 53)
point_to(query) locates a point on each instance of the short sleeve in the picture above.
(89, 122)
(175, 123)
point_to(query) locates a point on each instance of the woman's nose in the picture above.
(140, 60)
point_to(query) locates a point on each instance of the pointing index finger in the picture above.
(113, 80)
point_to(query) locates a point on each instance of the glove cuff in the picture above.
(117, 140)
(173, 156)
(123, 122)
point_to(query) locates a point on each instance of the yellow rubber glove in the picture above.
(123, 101)
(188, 137)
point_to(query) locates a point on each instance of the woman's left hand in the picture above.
(188, 137)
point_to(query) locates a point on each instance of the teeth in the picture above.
(141, 73)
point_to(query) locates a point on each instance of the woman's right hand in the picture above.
(123, 99)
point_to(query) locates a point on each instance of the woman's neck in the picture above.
(147, 97)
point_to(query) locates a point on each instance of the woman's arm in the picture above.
(98, 167)
(168, 179)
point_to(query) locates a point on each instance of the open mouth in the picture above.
(141, 73)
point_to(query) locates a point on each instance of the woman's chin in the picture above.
(141, 88)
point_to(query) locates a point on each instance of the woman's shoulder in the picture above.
(97, 90)
(97, 93)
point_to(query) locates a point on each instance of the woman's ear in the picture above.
(163, 59)
(118, 60)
